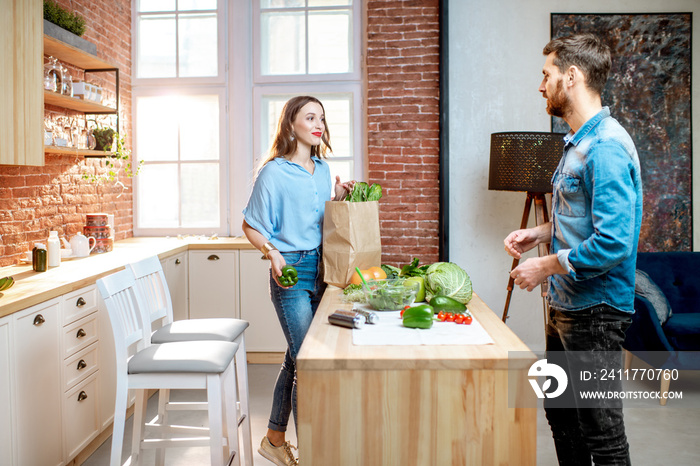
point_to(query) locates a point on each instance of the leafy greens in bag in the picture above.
(363, 192)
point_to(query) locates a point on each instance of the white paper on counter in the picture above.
(389, 331)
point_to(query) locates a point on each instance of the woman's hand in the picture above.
(342, 189)
(276, 264)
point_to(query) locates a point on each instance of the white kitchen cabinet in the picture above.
(5, 400)
(265, 333)
(37, 385)
(213, 284)
(80, 369)
(175, 269)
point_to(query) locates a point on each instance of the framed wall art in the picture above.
(649, 93)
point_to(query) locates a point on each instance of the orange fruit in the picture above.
(356, 280)
(377, 273)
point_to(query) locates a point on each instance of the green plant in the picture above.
(104, 137)
(117, 159)
(72, 22)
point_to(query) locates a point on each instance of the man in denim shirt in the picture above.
(596, 217)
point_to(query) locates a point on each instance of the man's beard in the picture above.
(559, 104)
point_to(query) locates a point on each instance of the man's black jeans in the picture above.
(584, 340)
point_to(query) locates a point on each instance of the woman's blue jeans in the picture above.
(296, 307)
(584, 340)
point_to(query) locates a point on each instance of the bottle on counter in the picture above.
(54, 249)
(39, 259)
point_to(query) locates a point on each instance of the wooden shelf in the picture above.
(73, 55)
(74, 151)
(72, 103)
(89, 63)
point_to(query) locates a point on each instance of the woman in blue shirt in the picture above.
(284, 219)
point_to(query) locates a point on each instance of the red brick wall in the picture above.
(402, 61)
(35, 200)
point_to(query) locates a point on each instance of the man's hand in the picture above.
(520, 241)
(535, 270)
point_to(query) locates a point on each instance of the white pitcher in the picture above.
(80, 244)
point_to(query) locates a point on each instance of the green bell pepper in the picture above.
(289, 276)
(418, 316)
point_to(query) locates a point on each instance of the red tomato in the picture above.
(459, 318)
(468, 319)
(449, 317)
(441, 316)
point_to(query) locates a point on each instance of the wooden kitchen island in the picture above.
(412, 405)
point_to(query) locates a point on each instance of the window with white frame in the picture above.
(197, 125)
(310, 47)
(179, 102)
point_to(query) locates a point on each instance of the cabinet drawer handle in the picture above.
(81, 333)
(82, 364)
(81, 302)
(178, 262)
(213, 257)
(39, 319)
(82, 396)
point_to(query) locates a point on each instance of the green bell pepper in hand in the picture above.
(418, 316)
(289, 276)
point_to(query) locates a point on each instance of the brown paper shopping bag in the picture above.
(350, 239)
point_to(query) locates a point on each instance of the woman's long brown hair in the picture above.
(284, 144)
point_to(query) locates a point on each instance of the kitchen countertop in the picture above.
(32, 287)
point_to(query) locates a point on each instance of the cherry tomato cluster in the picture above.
(456, 318)
(465, 319)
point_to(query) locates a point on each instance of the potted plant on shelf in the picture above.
(117, 157)
(104, 137)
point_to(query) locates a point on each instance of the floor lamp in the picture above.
(525, 162)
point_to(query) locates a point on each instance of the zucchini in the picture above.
(447, 304)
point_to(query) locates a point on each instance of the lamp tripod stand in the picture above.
(541, 217)
(525, 162)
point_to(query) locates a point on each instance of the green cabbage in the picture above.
(448, 279)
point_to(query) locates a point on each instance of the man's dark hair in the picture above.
(587, 53)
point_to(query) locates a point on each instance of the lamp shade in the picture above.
(524, 161)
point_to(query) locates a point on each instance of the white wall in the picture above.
(495, 51)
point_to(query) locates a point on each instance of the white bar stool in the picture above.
(150, 280)
(185, 365)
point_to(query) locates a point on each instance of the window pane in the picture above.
(271, 109)
(329, 2)
(200, 195)
(198, 45)
(156, 48)
(157, 129)
(196, 5)
(199, 127)
(339, 117)
(158, 197)
(281, 3)
(156, 5)
(282, 43)
(330, 42)
(342, 168)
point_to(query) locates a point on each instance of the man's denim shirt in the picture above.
(596, 217)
